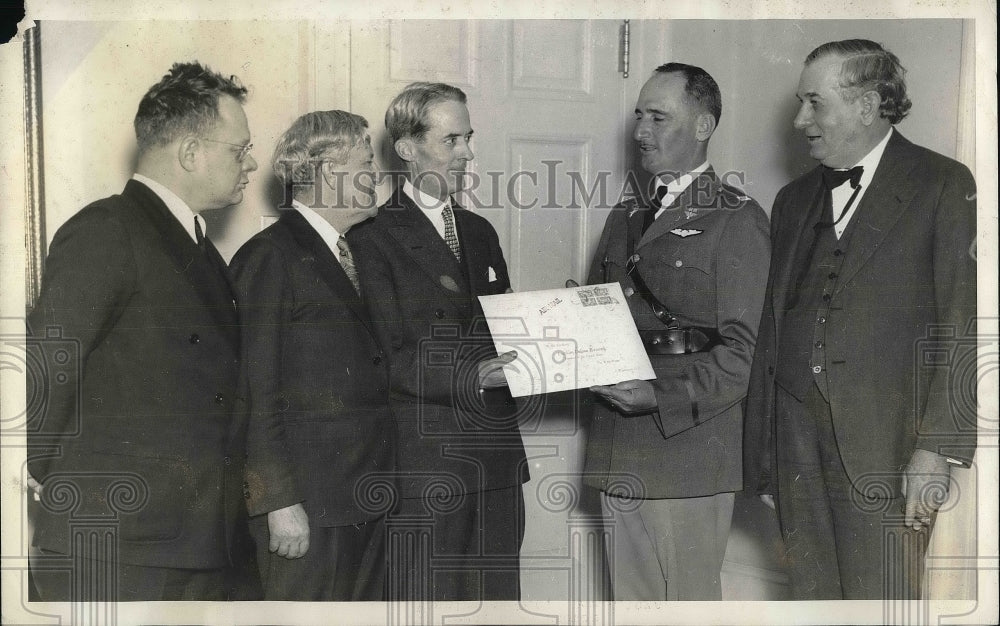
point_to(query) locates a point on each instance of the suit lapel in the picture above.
(209, 280)
(472, 243)
(324, 262)
(882, 206)
(408, 225)
(803, 210)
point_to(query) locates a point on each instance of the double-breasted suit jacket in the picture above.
(143, 419)
(452, 439)
(320, 429)
(706, 259)
(897, 350)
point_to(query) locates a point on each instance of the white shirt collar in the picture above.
(425, 202)
(178, 208)
(679, 184)
(430, 206)
(872, 159)
(325, 229)
(842, 194)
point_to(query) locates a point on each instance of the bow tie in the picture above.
(835, 178)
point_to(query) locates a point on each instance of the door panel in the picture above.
(545, 99)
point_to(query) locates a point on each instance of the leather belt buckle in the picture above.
(676, 340)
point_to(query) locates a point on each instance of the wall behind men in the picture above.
(757, 65)
(94, 74)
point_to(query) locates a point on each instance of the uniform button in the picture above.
(377, 359)
(822, 320)
(439, 314)
(635, 258)
(219, 398)
(837, 252)
(819, 344)
(678, 263)
(832, 275)
(194, 338)
(770, 369)
(826, 297)
(629, 292)
(228, 461)
(817, 369)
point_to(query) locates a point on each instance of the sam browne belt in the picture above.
(672, 338)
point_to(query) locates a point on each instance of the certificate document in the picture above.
(566, 338)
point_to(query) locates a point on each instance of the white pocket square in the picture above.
(492, 274)
(685, 232)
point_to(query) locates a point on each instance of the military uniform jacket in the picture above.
(706, 259)
(452, 439)
(144, 421)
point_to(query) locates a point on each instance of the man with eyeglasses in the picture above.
(144, 423)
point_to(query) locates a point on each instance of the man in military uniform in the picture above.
(692, 262)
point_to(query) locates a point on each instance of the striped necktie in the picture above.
(450, 237)
(347, 262)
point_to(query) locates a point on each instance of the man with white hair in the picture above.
(321, 438)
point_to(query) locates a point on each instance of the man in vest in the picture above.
(848, 423)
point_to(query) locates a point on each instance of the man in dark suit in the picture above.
(321, 437)
(849, 422)
(692, 263)
(423, 261)
(145, 427)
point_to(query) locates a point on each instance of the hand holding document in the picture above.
(566, 338)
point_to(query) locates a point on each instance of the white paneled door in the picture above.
(545, 98)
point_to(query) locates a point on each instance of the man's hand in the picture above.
(289, 529)
(925, 487)
(491, 374)
(632, 397)
(35, 486)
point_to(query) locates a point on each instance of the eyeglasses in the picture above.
(244, 149)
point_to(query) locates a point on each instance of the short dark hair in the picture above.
(407, 113)
(867, 66)
(186, 100)
(699, 87)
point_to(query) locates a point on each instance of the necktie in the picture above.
(347, 262)
(199, 234)
(649, 216)
(213, 257)
(450, 237)
(835, 178)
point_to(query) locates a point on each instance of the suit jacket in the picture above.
(705, 258)
(142, 420)
(895, 381)
(320, 427)
(452, 439)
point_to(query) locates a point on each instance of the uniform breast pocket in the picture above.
(684, 280)
(688, 256)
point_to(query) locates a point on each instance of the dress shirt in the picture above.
(431, 206)
(843, 193)
(325, 229)
(677, 186)
(178, 208)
